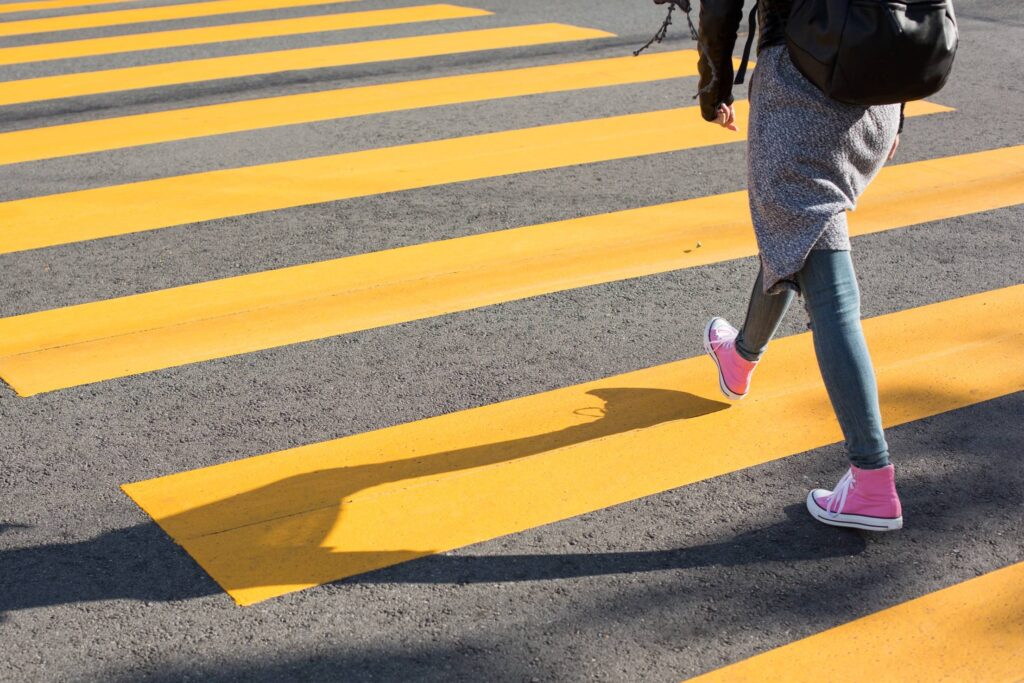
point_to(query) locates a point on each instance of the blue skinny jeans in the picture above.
(832, 298)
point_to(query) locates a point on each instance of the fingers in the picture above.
(727, 117)
(731, 122)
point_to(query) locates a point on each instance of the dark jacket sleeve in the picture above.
(719, 24)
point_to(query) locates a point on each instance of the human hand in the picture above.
(895, 146)
(726, 116)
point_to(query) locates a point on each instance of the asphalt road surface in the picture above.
(633, 529)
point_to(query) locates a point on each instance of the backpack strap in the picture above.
(751, 31)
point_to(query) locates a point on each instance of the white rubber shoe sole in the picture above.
(851, 521)
(729, 393)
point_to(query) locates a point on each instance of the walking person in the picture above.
(809, 157)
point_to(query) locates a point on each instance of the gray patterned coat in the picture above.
(808, 160)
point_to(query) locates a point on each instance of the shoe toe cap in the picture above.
(816, 496)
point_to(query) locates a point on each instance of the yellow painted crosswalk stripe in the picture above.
(92, 342)
(89, 214)
(973, 631)
(232, 117)
(247, 31)
(272, 524)
(348, 54)
(139, 15)
(56, 4)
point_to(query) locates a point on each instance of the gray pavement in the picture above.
(658, 589)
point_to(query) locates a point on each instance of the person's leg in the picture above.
(832, 297)
(764, 314)
(866, 497)
(736, 354)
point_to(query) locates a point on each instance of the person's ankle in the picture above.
(871, 464)
(743, 353)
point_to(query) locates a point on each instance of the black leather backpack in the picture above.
(871, 51)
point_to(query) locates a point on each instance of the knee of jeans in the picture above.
(846, 303)
(834, 300)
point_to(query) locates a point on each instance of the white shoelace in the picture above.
(723, 336)
(837, 499)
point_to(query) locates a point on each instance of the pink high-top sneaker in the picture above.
(734, 370)
(863, 499)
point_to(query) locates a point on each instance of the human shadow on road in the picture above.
(789, 541)
(286, 530)
(142, 563)
(292, 551)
